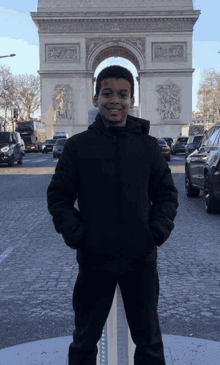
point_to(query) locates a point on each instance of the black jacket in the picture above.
(126, 196)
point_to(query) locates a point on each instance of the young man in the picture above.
(127, 204)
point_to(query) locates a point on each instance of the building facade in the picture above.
(75, 36)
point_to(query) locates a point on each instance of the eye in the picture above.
(123, 95)
(106, 94)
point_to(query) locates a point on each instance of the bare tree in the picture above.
(207, 95)
(28, 95)
(7, 94)
(217, 100)
(210, 77)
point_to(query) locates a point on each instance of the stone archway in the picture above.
(155, 36)
(105, 48)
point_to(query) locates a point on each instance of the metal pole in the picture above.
(11, 55)
(116, 346)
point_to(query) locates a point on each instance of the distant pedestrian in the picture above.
(127, 204)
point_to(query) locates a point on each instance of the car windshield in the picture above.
(161, 141)
(27, 139)
(4, 137)
(50, 141)
(185, 139)
(61, 142)
(197, 139)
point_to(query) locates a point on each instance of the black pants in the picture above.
(92, 300)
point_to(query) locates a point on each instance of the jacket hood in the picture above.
(133, 125)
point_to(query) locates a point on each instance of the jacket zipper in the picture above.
(117, 188)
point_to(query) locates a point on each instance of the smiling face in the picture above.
(114, 101)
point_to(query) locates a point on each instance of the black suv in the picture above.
(169, 140)
(179, 145)
(164, 148)
(202, 170)
(10, 148)
(192, 144)
(48, 145)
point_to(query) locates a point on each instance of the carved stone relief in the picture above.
(63, 103)
(93, 43)
(63, 53)
(169, 100)
(166, 52)
(109, 25)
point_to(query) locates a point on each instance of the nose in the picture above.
(115, 98)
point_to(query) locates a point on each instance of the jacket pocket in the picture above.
(76, 239)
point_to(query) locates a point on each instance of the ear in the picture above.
(95, 101)
(132, 103)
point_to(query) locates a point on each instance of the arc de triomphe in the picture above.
(75, 36)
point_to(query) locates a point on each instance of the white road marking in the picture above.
(41, 160)
(7, 252)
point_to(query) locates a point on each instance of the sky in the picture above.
(18, 34)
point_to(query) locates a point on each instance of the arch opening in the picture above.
(116, 51)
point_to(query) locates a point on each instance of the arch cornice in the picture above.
(116, 48)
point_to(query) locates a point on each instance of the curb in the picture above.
(51, 170)
(178, 350)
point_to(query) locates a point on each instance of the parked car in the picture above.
(60, 135)
(10, 148)
(48, 145)
(202, 170)
(169, 140)
(165, 149)
(179, 145)
(192, 144)
(58, 148)
(23, 147)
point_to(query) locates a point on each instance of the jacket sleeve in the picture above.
(164, 198)
(61, 196)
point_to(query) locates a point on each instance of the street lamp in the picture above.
(11, 55)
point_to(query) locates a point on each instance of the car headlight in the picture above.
(5, 149)
(43, 146)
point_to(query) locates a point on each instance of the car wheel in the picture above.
(20, 160)
(211, 204)
(11, 162)
(191, 192)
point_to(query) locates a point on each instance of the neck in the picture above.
(113, 124)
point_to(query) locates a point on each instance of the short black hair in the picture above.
(115, 72)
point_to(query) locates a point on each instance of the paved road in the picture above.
(38, 271)
(47, 160)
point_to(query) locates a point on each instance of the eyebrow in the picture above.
(107, 88)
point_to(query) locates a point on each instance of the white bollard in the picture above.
(116, 346)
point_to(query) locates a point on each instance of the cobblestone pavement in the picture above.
(38, 271)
